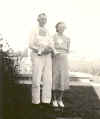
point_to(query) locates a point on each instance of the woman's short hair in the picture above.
(59, 24)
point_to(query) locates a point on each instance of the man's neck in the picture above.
(60, 34)
(42, 26)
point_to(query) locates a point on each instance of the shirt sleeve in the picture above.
(52, 44)
(33, 44)
(31, 38)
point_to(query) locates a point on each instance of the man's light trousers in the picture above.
(41, 71)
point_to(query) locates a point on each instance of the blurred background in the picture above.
(82, 18)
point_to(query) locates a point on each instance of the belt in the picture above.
(35, 51)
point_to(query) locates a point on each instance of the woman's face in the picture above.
(60, 28)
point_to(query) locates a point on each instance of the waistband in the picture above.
(35, 52)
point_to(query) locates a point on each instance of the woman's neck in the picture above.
(42, 26)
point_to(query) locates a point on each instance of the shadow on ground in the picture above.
(80, 101)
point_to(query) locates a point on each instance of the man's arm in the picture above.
(31, 40)
(68, 45)
(33, 44)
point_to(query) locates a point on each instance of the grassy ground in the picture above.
(80, 101)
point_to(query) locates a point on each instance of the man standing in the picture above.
(41, 44)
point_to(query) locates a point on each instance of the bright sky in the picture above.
(82, 17)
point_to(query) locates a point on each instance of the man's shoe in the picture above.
(54, 103)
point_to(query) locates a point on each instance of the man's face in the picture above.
(42, 19)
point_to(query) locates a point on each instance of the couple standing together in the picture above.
(49, 63)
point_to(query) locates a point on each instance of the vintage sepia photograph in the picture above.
(49, 59)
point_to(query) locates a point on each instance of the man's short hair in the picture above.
(42, 14)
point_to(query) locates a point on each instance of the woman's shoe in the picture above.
(54, 103)
(60, 103)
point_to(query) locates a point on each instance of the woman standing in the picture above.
(60, 64)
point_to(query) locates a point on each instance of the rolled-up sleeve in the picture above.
(33, 43)
(31, 40)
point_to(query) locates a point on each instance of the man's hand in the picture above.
(39, 52)
(44, 51)
(47, 50)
